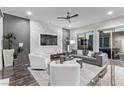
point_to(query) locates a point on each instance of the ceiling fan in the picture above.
(68, 17)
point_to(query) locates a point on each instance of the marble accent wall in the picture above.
(21, 28)
(37, 28)
(66, 34)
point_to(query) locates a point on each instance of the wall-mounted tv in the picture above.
(46, 39)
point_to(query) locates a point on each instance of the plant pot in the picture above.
(8, 57)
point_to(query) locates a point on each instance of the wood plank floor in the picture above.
(18, 75)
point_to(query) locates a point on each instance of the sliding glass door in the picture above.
(105, 45)
(111, 42)
(118, 44)
(118, 54)
(105, 42)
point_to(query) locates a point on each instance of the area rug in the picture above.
(118, 75)
(41, 77)
(87, 73)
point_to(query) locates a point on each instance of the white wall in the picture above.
(1, 35)
(37, 28)
(95, 27)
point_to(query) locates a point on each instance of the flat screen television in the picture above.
(46, 39)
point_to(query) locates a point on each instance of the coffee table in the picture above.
(68, 60)
(80, 61)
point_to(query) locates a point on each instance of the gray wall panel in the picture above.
(21, 27)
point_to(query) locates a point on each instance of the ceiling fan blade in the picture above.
(61, 17)
(74, 15)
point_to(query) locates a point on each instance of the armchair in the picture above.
(38, 61)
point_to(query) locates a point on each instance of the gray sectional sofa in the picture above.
(99, 58)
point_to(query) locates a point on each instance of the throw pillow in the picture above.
(74, 51)
(98, 53)
(93, 54)
(90, 54)
(85, 52)
(79, 52)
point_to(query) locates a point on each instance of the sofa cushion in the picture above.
(90, 54)
(86, 58)
(85, 52)
(97, 53)
(93, 54)
(92, 59)
(79, 52)
(74, 51)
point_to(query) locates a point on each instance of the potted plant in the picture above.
(8, 53)
(17, 52)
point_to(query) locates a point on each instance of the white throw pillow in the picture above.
(79, 52)
(90, 54)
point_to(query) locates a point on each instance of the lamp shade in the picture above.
(21, 44)
(72, 42)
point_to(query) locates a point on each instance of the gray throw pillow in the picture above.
(85, 52)
(74, 51)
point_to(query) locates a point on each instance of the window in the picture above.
(85, 41)
(104, 42)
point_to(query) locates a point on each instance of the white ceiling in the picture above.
(87, 15)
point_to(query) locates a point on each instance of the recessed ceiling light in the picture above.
(29, 13)
(69, 25)
(110, 12)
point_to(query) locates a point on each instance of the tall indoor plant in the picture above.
(8, 53)
(17, 52)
